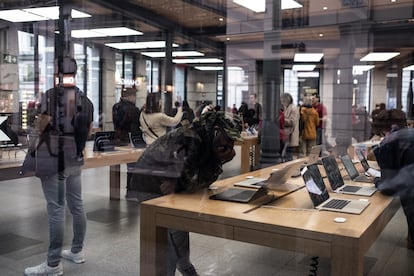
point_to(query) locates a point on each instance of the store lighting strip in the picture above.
(260, 5)
(174, 54)
(138, 45)
(104, 32)
(308, 57)
(379, 56)
(197, 60)
(37, 14)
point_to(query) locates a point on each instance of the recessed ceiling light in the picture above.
(393, 1)
(260, 5)
(174, 54)
(308, 57)
(117, 31)
(209, 68)
(303, 67)
(325, 8)
(379, 56)
(221, 19)
(321, 35)
(228, 38)
(409, 68)
(37, 14)
(138, 45)
(197, 60)
(360, 69)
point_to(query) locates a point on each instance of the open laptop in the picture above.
(240, 195)
(353, 173)
(337, 182)
(277, 181)
(365, 165)
(320, 196)
(312, 158)
(276, 178)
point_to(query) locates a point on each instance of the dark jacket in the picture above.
(395, 156)
(125, 116)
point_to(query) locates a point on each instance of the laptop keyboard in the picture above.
(336, 204)
(351, 189)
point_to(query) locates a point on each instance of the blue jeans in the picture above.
(72, 191)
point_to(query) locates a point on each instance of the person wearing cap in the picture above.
(191, 159)
(125, 117)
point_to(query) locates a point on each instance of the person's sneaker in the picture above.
(44, 270)
(77, 258)
(131, 196)
(190, 271)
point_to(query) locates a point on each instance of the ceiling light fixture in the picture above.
(308, 57)
(174, 54)
(260, 5)
(209, 68)
(409, 68)
(37, 14)
(379, 56)
(138, 45)
(197, 60)
(104, 32)
(325, 8)
(303, 67)
(308, 75)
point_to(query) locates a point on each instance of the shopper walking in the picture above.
(310, 119)
(291, 125)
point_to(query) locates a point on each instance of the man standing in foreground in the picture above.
(59, 165)
(190, 158)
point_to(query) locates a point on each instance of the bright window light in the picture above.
(308, 57)
(209, 68)
(409, 68)
(197, 60)
(308, 75)
(138, 45)
(104, 32)
(303, 67)
(260, 5)
(379, 56)
(174, 54)
(37, 14)
(360, 69)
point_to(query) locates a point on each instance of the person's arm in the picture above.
(166, 120)
(399, 184)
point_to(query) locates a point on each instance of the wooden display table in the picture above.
(289, 223)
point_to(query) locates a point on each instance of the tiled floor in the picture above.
(112, 240)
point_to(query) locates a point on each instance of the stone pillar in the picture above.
(342, 96)
(270, 140)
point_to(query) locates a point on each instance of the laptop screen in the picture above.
(332, 171)
(314, 184)
(349, 166)
(314, 154)
(362, 159)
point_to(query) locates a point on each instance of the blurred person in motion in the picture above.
(291, 125)
(310, 119)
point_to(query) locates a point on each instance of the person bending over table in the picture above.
(192, 157)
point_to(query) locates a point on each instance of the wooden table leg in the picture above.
(153, 244)
(346, 258)
(245, 157)
(115, 182)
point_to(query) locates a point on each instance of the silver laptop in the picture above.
(337, 182)
(320, 196)
(353, 173)
(371, 171)
(277, 177)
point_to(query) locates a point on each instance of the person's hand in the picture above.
(168, 187)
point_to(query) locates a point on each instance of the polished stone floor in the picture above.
(112, 240)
